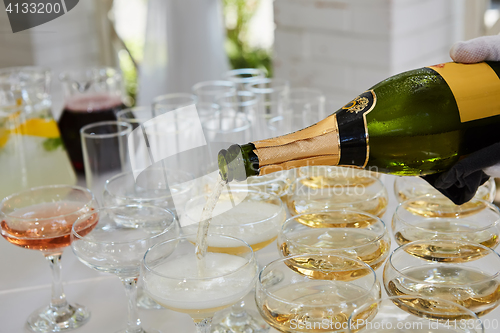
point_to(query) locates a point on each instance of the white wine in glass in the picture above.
(471, 281)
(292, 302)
(481, 226)
(370, 244)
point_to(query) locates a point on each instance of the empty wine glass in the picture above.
(413, 314)
(114, 240)
(172, 276)
(313, 292)
(41, 219)
(207, 91)
(242, 76)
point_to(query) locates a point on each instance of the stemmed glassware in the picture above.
(463, 272)
(150, 187)
(172, 277)
(313, 193)
(413, 314)
(244, 76)
(314, 292)
(41, 219)
(253, 216)
(341, 232)
(114, 240)
(430, 217)
(411, 187)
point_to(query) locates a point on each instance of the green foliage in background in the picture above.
(237, 14)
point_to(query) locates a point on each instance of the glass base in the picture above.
(247, 321)
(148, 330)
(52, 319)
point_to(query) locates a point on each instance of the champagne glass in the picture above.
(324, 175)
(429, 217)
(463, 272)
(243, 76)
(207, 91)
(150, 187)
(170, 102)
(345, 233)
(114, 240)
(105, 152)
(41, 219)
(256, 219)
(413, 314)
(273, 96)
(303, 298)
(172, 277)
(305, 107)
(310, 194)
(411, 187)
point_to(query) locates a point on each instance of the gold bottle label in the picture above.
(341, 138)
(476, 88)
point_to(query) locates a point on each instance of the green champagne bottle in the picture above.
(414, 123)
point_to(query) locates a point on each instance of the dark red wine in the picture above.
(80, 111)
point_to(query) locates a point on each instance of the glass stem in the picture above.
(58, 300)
(133, 322)
(238, 309)
(204, 325)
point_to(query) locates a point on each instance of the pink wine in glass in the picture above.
(45, 227)
(81, 110)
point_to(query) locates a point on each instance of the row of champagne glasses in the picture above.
(354, 222)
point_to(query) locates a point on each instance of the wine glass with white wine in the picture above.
(310, 193)
(340, 234)
(428, 217)
(314, 296)
(463, 272)
(406, 188)
(177, 279)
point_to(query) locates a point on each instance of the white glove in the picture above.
(479, 49)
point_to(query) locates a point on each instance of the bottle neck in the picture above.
(238, 162)
(318, 144)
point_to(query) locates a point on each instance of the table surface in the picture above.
(25, 286)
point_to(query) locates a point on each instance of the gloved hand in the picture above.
(460, 183)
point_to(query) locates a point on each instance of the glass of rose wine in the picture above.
(41, 219)
(414, 314)
(305, 292)
(346, 233)
(463, 272)
(114, 240)
(176, 278)
(432, 217)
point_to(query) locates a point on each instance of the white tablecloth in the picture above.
(25, 286)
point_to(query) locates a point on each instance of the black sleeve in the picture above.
(460, 183)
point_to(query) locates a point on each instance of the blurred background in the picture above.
(339, 46)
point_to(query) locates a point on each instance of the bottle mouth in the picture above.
(223, 165)
(231, 164)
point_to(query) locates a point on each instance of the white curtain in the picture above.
(184, 45)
